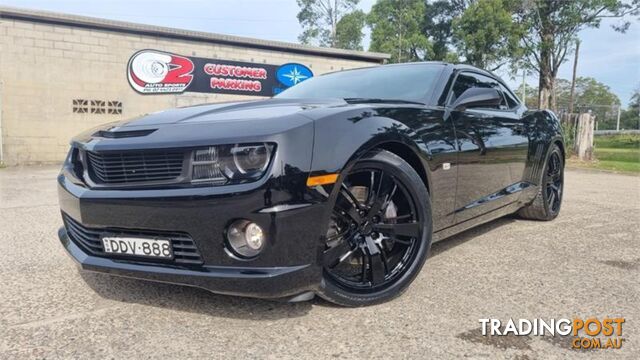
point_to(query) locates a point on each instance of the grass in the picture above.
(623, 141)
(616, 153)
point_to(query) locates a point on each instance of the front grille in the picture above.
(135, 166)
(184, 249)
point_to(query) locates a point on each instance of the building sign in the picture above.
(157, 72)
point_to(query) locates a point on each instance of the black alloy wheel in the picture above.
(554, 183)
(379, 232)
(547, 202)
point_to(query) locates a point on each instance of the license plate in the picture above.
(155, 248)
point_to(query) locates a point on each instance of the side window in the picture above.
(463, 82)
(512, 101)
(492, 83)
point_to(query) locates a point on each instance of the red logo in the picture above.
(152, 72)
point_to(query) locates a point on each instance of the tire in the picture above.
(379, 233)
(548, 201)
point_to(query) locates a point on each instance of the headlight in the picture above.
(231, 163)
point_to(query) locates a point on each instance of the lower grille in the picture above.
(184, 249)
(135, 166)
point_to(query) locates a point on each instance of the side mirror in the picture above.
(478, 97)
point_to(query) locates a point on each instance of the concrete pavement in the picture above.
(585, 263)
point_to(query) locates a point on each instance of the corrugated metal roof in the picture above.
(161, 31)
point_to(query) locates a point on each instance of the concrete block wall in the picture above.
(44, 67)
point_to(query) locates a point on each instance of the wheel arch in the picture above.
(339, 144)
(561, 146)
(407, 154)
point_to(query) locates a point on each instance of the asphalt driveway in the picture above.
(585, 263)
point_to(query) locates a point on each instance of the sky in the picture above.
(608, 56)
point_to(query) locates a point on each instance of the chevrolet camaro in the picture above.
(336, 187)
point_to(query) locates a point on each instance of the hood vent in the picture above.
(123, 134)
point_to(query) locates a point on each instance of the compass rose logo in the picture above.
(291, 74)
(295, 75)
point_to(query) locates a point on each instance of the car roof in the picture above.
(452, 66)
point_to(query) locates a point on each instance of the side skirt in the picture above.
(478, 220)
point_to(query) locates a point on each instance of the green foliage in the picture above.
(552, 27)
(320, 21)
(628, 155)
(635, 100)
(622, 141)
(615, 152)
(589, 91)
(569, 132)
(486, 35)
(349, 31)
(590, 95)
(396, 28)
(630, 118)
(437, 26)
(620, 166)
(618, 152)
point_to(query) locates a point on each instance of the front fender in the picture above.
(419, 135)
(340, 141)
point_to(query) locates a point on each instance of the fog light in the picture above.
(246, 239)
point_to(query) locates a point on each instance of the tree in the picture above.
(590, 95)
(553, 25)
(532, 98)
(589, 92)
(592, 92)
(349, 31)
(630, 118)
(437, 26)
(486, 35)
(396, 28)
(320, 21)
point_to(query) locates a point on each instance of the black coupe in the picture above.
(337, 186)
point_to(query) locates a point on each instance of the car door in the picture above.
(492, 150)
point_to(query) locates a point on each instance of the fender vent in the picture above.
(534, 173)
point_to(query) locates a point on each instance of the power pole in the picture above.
(573, 79)
(618, 120)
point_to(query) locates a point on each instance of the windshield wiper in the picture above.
(378, 101)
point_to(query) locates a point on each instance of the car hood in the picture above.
(209, 124)
(267, 110)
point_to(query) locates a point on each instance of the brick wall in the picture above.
(43, 67)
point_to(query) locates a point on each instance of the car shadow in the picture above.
(190, 299)
(443, 246)
(195, 300)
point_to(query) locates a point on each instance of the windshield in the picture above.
(399, 82)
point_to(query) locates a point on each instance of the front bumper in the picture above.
(263, 282)
(287, 267)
